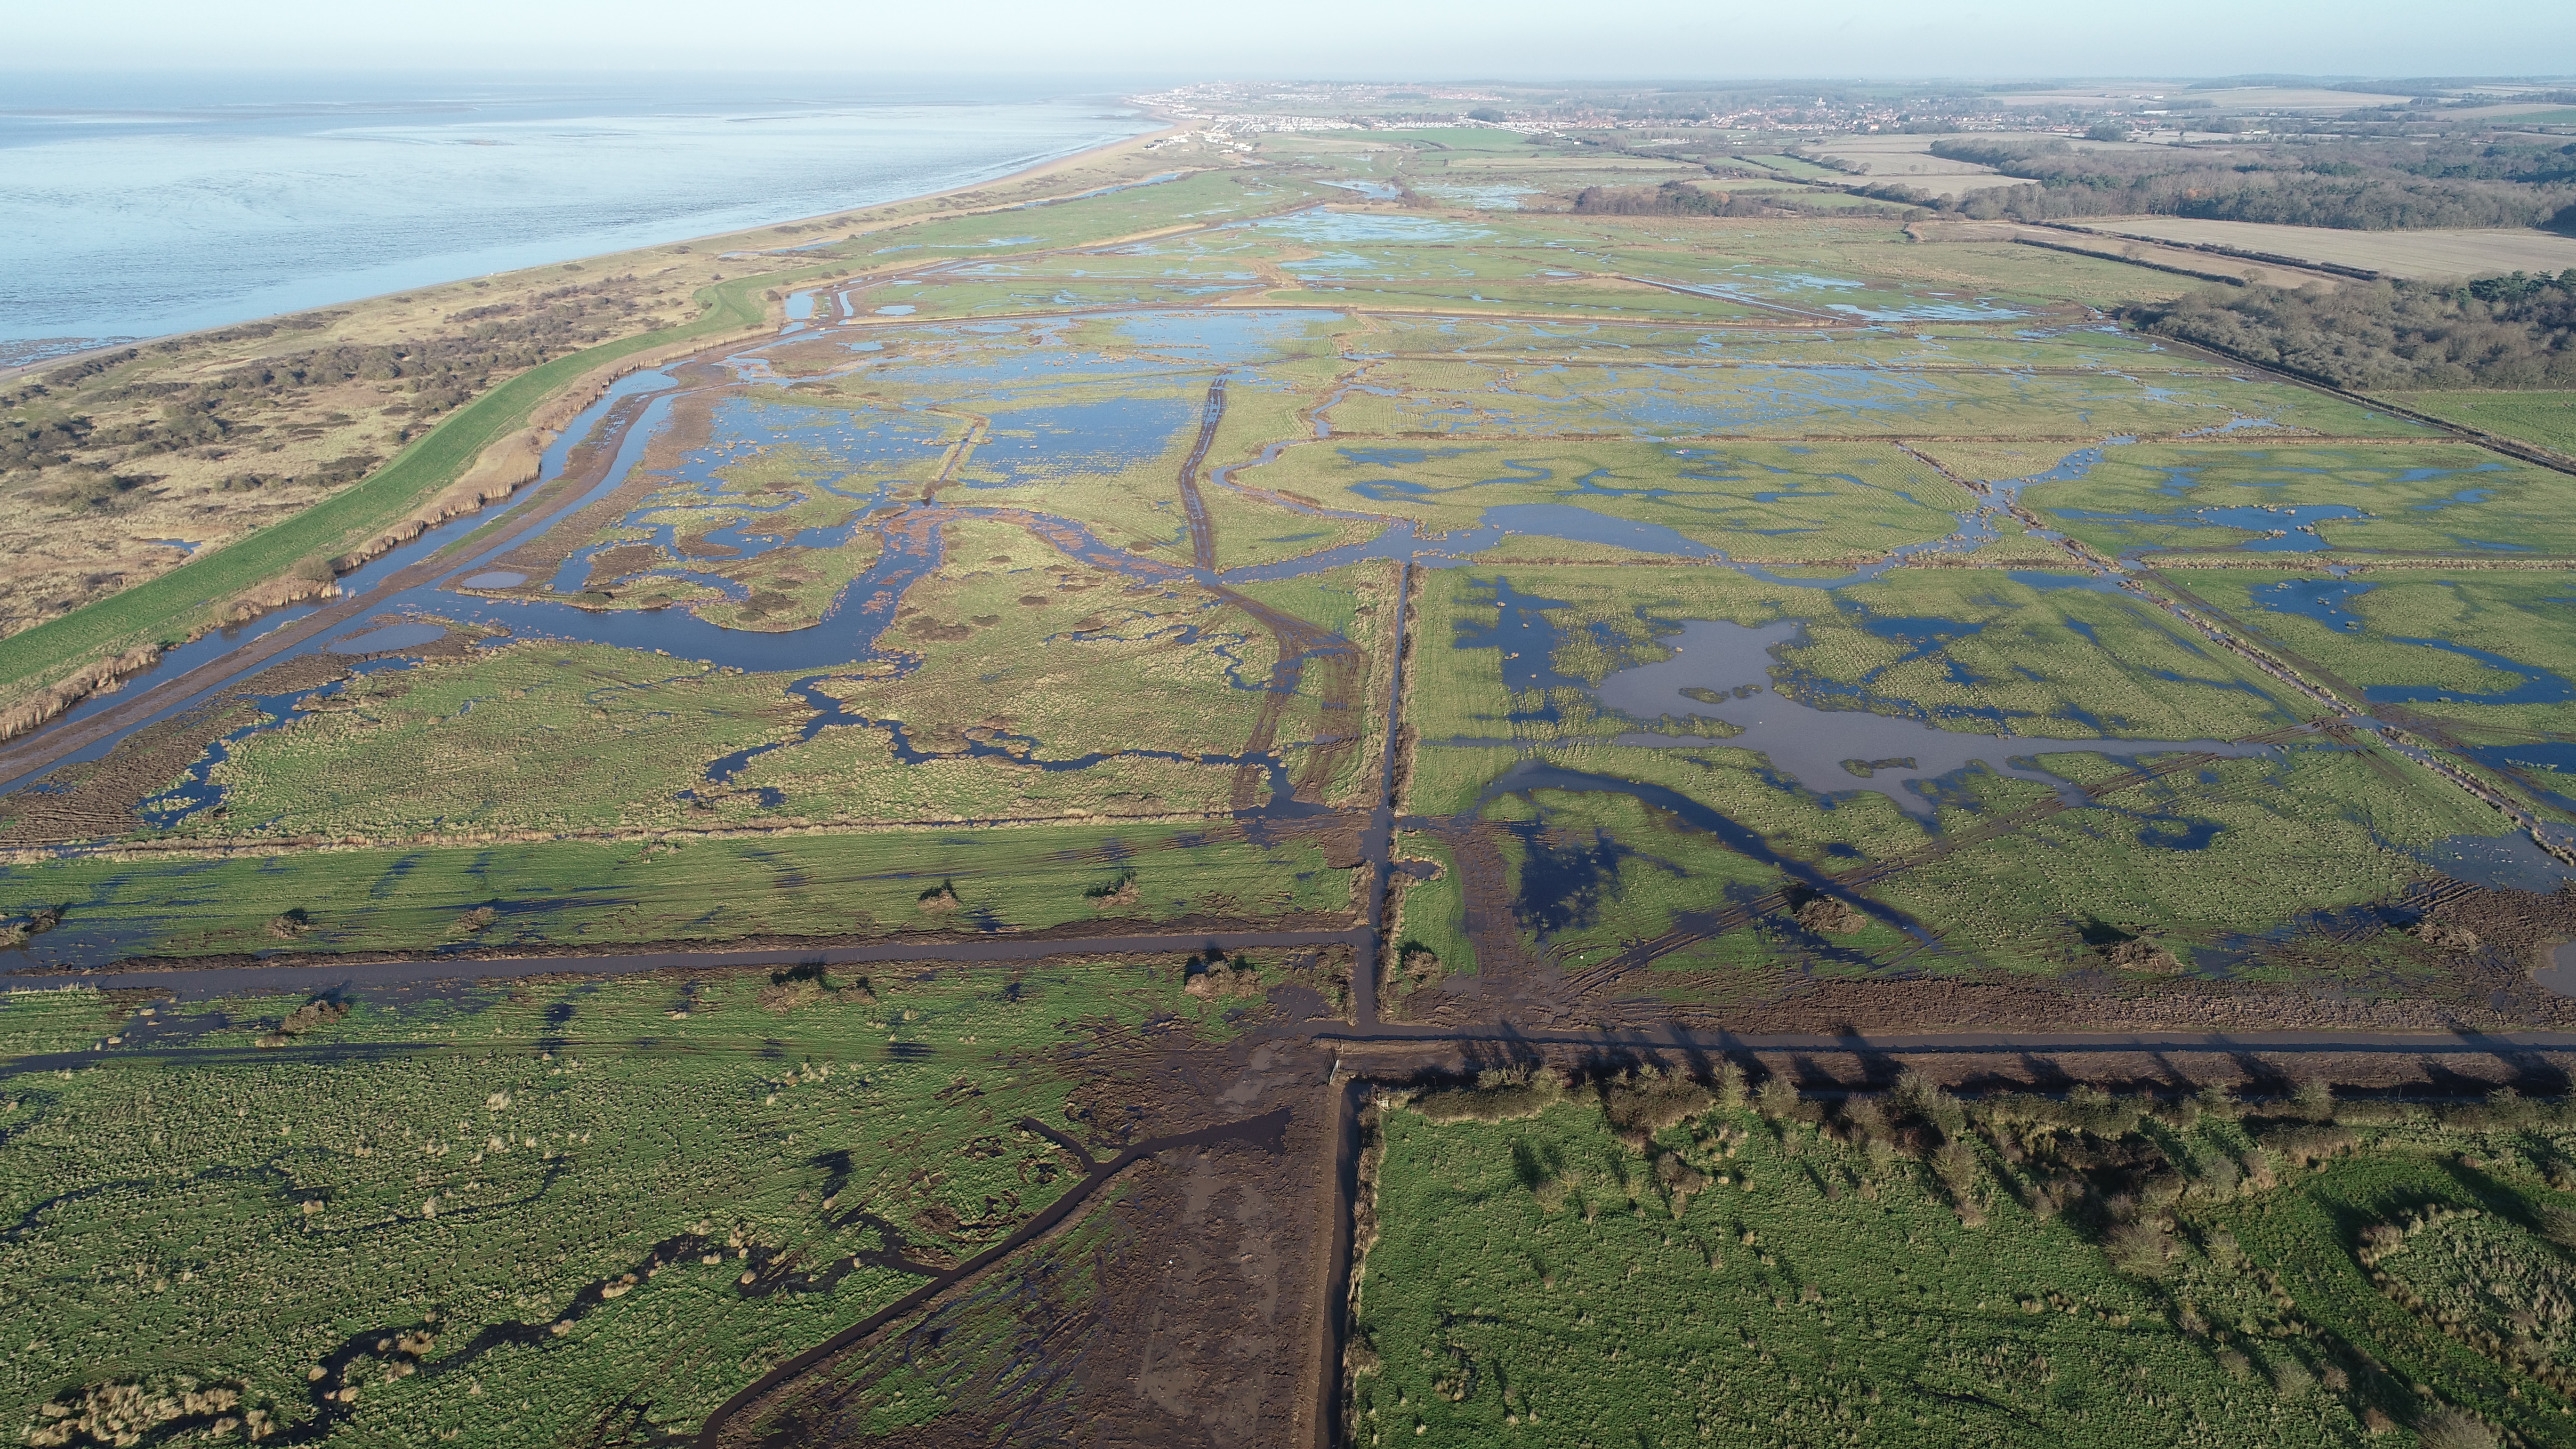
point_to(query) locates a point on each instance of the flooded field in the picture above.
(1115, 557)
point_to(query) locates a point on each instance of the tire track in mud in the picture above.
(780, 1383)
(1344, 667)
(1202, 534)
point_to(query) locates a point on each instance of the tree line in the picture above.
(2514, 331)
(2362, 188)
(1681, 198)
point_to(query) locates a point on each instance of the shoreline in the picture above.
(751, 268)
(1165, 126)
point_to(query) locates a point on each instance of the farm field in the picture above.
(2545, 418)
(2426, 255)
(1279, 792)
(2440, 499)
(1908, 161)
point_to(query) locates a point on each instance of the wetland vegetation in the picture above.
(852, 905)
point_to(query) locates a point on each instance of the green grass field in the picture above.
(2545, 418)
(609, 894)
(1434, 918)
(1910, 1269)
(2437, 498)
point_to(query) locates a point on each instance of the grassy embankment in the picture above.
(169, 608)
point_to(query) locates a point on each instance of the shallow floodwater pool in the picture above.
(1720, 671)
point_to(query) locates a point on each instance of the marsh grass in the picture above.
(688, 1213)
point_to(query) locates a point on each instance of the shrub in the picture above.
(2305, 1145)
(2140, 953)
(2448, 1428)
(1730, 1086)
(1956, 1165)
(2558, 1225)
(1779, 1101)
(2314, 1100)
(1642, 1103)
(1865, 1121)
(1499, 1095)
(1928, 1103)
(2139, 1249)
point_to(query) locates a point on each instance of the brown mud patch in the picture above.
(1183, 1304)
(810, 358)
(611, 564)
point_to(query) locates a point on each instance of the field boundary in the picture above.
(2531, 453)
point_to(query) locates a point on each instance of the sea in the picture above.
(138, 206)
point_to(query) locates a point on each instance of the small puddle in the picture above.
(496, 579)
(2560, 974)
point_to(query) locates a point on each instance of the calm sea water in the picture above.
(143, 206)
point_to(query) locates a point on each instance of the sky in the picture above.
(1141, 41)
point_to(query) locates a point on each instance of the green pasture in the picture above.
(1748, 500)
(1196, 200)
(515, 1214)
(1924, 396)
(2545, 418)
(2230, 866)
(1957, 647)
(1434, 917)
(540, 736)
(2400, 632)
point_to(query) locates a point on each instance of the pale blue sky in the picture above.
(1347, 38)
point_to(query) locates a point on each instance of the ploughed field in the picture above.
(927, 792)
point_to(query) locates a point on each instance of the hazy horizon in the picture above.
(1161, 40)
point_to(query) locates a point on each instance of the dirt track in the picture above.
(1169, 1297)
